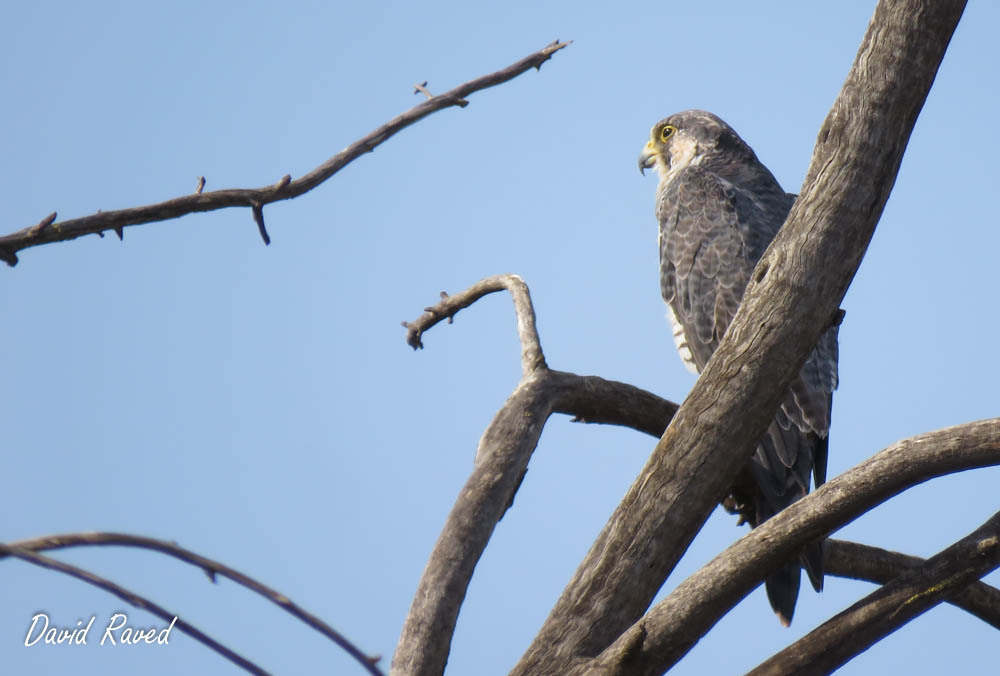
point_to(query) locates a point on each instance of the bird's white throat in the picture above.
(684, 153)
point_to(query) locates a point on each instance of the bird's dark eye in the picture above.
(667, 132)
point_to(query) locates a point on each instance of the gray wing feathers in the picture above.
(712, 233)
(711, 236)
(704, 265)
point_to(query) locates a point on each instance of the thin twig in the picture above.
(221, 199)
(422, 89)
(133, 599)
(44, 223)
(211, 568)
(257, 210)
(532, 357)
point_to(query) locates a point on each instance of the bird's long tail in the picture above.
(781, 469)
(782, 585)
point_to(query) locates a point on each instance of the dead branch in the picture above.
(211, 568)
(792, 298)
(856, 629)
(133, 599)
(532, 357)
(664, 634)
(501, 461)
(47, 230)
(512, 436)
(863, 562)
(590, 399)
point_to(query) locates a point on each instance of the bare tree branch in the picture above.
(532, 357)
(595, 400)
(47, 230)
(863, 562)
(133, 599)
(592, 399)
(501, 461)
(211, 568)
(588, 399)
(793, 296)
(665, 634)
(854, 630)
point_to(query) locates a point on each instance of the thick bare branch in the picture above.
(211, 568)
(793, 296)
(47, 230)
(590, 399)
(133, 599)
(665, 634)
(501, 461)
(863, 562)
(880, 613)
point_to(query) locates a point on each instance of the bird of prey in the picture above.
(718, 209)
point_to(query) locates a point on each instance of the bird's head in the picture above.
(689, 138)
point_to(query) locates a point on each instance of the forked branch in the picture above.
(48, 230)
(501, 461)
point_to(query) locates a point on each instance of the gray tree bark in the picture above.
(883, 611)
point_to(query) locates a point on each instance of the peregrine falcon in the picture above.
(718, 209)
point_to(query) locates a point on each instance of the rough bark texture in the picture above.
(502, 459)
(665, 633)
(503, 455)
(793, 296)
(851, 632)
(863, 562)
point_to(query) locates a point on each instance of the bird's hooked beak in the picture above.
(647, 158)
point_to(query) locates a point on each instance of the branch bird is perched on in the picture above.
(718, 209)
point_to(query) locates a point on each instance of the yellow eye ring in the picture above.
(667, 132)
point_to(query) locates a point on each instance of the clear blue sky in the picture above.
(259, 405)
